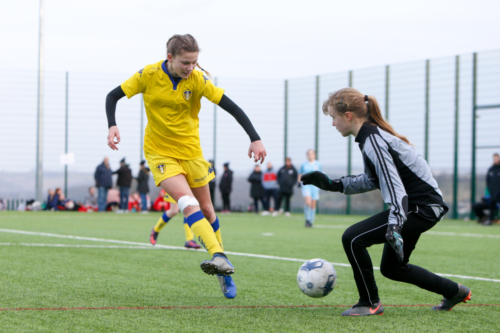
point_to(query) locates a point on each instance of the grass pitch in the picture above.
(106, 286)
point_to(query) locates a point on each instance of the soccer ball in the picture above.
(316, 278)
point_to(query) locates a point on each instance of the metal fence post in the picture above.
(474, 106)
(39, 144)
(349, 158)
(141, 132)
(426, 143)
(66, 140)
(285, 139)
(316, 131)
(455, 160)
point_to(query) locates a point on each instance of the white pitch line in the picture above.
(79, 246)
(330, 226)
(169, 247)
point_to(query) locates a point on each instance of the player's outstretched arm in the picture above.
(256, 147)
(113, 132)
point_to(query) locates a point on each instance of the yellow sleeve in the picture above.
(135, 85)
(209, 90)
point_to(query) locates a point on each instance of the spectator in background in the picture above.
(103, 180)
(480, 208)
(160, 205)
(270, 184)
(113, 200)
(91, 199)
(493, 186)
(143, 186)
(226, 186)
(287, 178)
(256, 189)
(211, 184)
(50, 200)
(134, 202)
(124, 181)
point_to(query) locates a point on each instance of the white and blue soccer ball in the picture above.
(316, 278)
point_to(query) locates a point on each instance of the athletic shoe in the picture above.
(464, 294)
(265, 213)
(287, 214)
(308, 224)
(482, 219)
(275, 213)
(218, 265)
(191, 245)
(360, 310)
(153, 237)
(227, 286)
(487, 222)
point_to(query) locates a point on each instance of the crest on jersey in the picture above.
(187, 94)
(161, 168)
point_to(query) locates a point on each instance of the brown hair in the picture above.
(184, 43)
(362, 106)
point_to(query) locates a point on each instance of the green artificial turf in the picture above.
(72, 277)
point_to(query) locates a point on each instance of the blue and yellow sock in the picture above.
(162, 221)
(204, 232)
(216, 227)
(188, 231)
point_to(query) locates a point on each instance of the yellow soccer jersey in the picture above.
(172, 109)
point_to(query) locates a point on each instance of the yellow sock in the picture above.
(216, 228)
(162, 221)
(219, 239)
(204, 232)
(189, 232)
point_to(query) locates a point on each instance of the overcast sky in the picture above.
(259, 39)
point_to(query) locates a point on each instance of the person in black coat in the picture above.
(142, 185)
(287, 178)
(226, 186)
(493, 185)
(124, 181)
(211, 184)
(103, 181)
(256, 188)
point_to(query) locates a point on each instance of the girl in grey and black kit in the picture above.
(393, 166)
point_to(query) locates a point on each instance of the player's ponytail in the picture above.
(206, 72)
(361, 106)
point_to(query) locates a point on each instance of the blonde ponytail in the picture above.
(206, 72)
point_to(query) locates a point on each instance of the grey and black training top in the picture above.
(400, 172)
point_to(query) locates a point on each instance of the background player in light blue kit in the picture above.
(310, 192)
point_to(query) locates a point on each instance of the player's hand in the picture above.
(320, 180)
(112, 134)
(258, 150)
(395, 240)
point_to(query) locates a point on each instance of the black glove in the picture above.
(395, 240)
(320, 180)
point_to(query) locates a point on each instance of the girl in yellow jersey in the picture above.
(172, 90)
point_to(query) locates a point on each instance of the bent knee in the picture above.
(208, 211)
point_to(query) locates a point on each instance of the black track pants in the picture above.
(372, 231)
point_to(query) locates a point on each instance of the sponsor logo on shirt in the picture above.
(187, 94)
(140, 72)
(161, 168)
(210, 170)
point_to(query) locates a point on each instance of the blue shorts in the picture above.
(310, 191)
